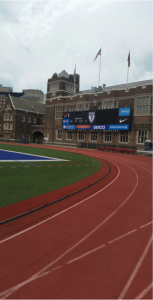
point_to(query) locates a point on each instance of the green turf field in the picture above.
(24, 180)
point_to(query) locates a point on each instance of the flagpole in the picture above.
(128, 68)
(127, 76)
(74, 85)
(74, 79)
(99, 69)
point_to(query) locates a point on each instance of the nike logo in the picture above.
(121, 121)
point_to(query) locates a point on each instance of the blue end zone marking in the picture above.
(18, 156)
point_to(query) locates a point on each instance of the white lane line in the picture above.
(150, 165)
(15, 288)
(87, 253)
(56, 268)
(79, 257)
(6, 294)
(128, 284)
(145, 291)
(146, 224)
(120, 237)
(133, 163)
(40, 223)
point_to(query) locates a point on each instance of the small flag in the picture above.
(74, 71)
(128, 59)
(99, 53)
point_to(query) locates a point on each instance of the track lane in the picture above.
(96, 216)
(104, 279)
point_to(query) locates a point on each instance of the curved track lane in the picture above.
(98, 248)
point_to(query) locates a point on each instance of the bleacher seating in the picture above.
(115, 149)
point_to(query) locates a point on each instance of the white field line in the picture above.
(145, 224)
(51, 158)
(128, 284)
(145, 291)
(96, 249)
(18, 286)
(85, 254)
(120, 237)
(48, 219)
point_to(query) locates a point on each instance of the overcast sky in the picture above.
(39, 38)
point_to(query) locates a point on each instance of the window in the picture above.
(142, 136)
(29, 119)
(83, 106)
(23, 118)
(8, 117)
(94, 136)
(69, 135)
(18, 134)
(34, 120)
(59, 134)
(5, 117)
(81, 135)
(110, 104)
(69, 87)
(59, 111)
(151, 106)
(54, 87)
(43, 120)
(8, 126)
(108, 137)
(8, 105)
(143, 106)
(123, 137)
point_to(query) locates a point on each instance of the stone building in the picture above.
(22, 117)
(3, 100)
(137, 95)
(34, 95)
(5, 89)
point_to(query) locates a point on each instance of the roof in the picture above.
(119, 86)
(2, 95)
(129, 85)
(27, 105)
(63, 73)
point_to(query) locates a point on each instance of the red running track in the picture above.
(100, 248)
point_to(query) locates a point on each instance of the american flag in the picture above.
(128, 59)
(99, 53)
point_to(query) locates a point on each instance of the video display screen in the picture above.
(106, 119)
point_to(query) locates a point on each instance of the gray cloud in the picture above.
(39, 38)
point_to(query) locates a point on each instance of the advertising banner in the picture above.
(106, 119)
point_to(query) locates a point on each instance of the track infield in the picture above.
(21, 180)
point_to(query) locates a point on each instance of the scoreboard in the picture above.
(106, 119)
